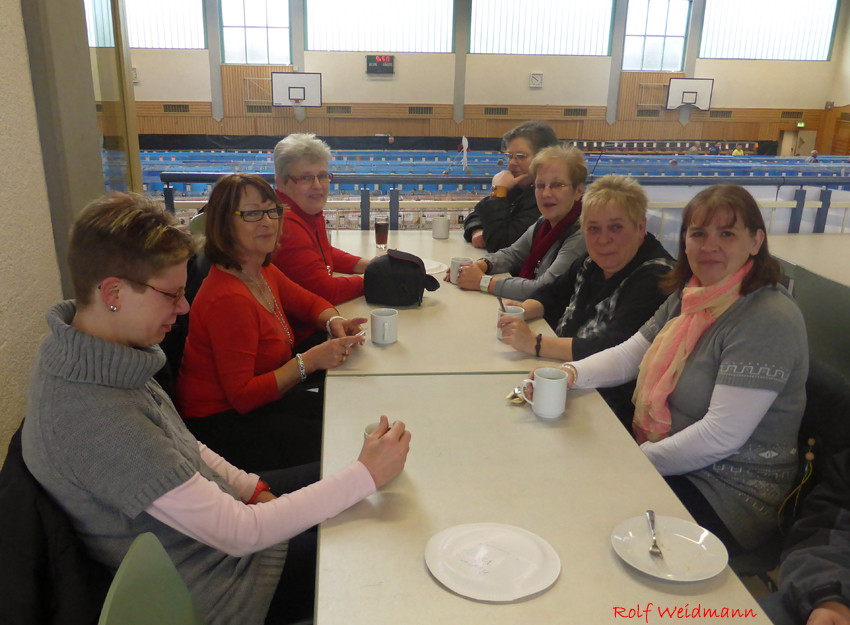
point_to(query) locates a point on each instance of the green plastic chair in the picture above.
(148, 590)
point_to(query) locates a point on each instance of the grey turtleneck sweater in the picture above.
(105, 441)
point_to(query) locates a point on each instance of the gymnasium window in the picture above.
(655, 35)
(255, 31)
(779, 30)
(150, 23)
(369, 26)
(565, 27)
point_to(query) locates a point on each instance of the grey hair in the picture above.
(296, 147)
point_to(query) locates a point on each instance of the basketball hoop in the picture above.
(297, 101)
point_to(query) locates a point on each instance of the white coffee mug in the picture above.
(510, 311)
(457, 261)
(440, 227)
(384, 326)
(550, 392)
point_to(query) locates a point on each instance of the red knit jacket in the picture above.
(235, 344)
(306, 256)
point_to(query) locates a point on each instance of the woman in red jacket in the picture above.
(239, 387)
(305, 255)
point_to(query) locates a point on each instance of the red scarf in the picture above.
(545, 238)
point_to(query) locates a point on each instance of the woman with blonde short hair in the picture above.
(605, 296)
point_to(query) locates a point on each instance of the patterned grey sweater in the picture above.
(760, 342)
(105, 441)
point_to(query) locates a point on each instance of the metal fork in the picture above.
(654, 549)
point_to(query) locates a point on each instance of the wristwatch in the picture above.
(484, 285)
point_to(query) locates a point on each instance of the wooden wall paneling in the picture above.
(639, 90)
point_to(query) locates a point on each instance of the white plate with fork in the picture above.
(691, 553)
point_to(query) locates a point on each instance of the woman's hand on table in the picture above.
(385, 451)
(477, 239)
(360, 265)
(347, 327)
(516, 333)
(469, 276)
(567, 367)
(830, 613)
(330, 354)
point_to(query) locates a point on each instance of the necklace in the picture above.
(271, 302)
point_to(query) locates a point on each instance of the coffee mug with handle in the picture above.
(550, 392)
(384, 326)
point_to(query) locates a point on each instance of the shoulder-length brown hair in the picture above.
(739, 204)
(220, 246)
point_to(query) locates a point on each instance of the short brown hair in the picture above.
(124, 235)
(621, 191)
(220, 246)
(572, 158)
(738, 202)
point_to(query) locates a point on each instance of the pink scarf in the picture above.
(665, 359)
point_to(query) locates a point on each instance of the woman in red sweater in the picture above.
(305, 255)
(239, 387)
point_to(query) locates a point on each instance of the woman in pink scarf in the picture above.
(721, 371)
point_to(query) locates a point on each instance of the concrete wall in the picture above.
(171, 76)
(29, 275)
(182, 75)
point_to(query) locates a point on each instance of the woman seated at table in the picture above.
(105, 441)
(551, 244)
(606, 296)
(239, 386)
(499, 220)
(721, 371)
(305, 255)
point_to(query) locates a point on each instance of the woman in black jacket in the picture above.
(498, 221)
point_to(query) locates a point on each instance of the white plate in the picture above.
(691, 553)
(434, 267)
(492, 561)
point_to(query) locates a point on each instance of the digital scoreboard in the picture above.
(380, 64)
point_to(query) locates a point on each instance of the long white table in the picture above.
(477, 458)
(453, 331)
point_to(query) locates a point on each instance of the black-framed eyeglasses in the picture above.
(553, 186)
(520, 156)
(257, 215)
(175, 297)
(305, 179)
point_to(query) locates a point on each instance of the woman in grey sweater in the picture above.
(107, 444)
(550, 245)
(721, 372)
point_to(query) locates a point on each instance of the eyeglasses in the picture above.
(520, 156)
(323, 178)
(257, 214)
(553, 186)
(175, 297)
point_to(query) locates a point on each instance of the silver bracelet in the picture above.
(328, 323)
(301, 368)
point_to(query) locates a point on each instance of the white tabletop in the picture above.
(453, 331)
(477, 458)
(827, 255)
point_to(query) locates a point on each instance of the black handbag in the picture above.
(397, 279)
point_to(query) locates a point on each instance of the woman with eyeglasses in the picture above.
(305, 255)
(499, 220)
(105, 441)
(549, 246)
(240, 382)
